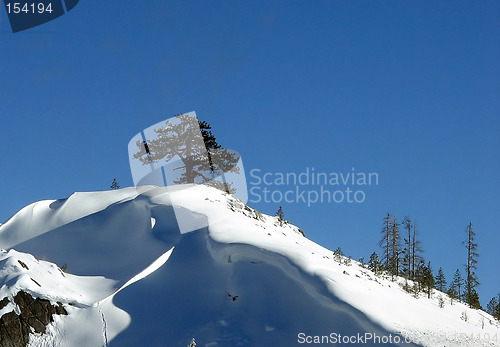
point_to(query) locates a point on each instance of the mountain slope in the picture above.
(164, 265)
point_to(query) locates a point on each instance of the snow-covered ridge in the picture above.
(241, 278)
(46, 215)
(43, 279)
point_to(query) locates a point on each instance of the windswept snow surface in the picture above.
(238, 278)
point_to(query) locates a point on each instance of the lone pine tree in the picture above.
(407, 251)
(395, 247)
(416, 249)
(471, 281)
(209, 140)
(374, 263)
(385, 241)
(440, 280)
(202, 160)
(115, 185)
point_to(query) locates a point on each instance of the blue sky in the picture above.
(408, 90)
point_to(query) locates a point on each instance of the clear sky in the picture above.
(408, 90)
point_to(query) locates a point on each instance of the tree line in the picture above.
(402, 256)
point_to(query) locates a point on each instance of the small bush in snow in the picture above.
(115, 184)
(258, 215)
(415, 290)
(405, 286)
(281, 216)
(362, 262)
(441, 301)
(347, 261)
(338, 255)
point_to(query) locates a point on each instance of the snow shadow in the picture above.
(117, 242)
(232, 295)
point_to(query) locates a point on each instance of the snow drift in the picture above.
(238, 279)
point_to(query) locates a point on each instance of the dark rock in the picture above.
(35, 315)
(38, 284)
(23, 265)
(11, 331)
(60, 309)
(4, 302)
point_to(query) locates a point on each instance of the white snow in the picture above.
(235, 277)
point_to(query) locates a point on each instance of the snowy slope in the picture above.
(223, 274)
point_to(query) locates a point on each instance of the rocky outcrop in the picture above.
(35, 315)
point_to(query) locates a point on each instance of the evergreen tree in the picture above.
(493, 307)
(497, 311)
(452, 293)
(385, 241)
(202, 159)
(209, 140)
(407, 251)
(115, 185)
(471, 281)
(416, 250)
(281, 216)
(440, 280)
(428, 279)
(457, 284)
(395, 247)
(420, 275)
(474, 300)
(424, 278)
(374, 263)
(220, 160)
